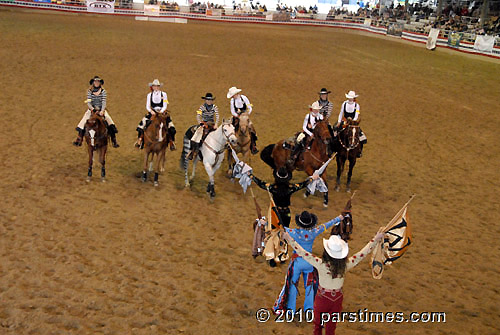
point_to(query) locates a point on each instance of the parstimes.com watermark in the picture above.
(362, 316)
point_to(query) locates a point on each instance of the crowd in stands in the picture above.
(453, 18)
(198, 7)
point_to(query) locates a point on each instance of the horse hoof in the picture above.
(155, 184)
(325, 205)
(103, 180)
(88, 179)
(186, 185)
(162, 170)
(348, 190)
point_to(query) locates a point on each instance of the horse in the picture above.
(276, 155)
(347, 147)
(96, 137)
(243, 144)
(156, 139)
(211, 152)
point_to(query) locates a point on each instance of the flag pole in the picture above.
(399, 212)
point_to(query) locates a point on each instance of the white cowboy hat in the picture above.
(232, 91)
(351, 95)
(336, 247)
(155, 82)
(315, 105)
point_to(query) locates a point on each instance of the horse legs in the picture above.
(211, 181)
(157, 167)
(352, 162)
(340, 169)
(145, 167)
(91, 160)
(162, 160)
(325, 195)
(230, 165)
(102, 159)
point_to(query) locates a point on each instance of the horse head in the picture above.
(244, 123)
(96, 129)
(322, 133)
(351, 135)
(158, 126)
(228, 132)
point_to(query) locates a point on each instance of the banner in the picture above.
(152, 10)
(100, 6)
(214, 12)
(454, 39)
(368, 22)
(432, 38)
(395, 29)
(484, 43)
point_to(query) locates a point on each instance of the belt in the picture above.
(283, 208)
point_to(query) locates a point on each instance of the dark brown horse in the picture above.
(96, 137)
(156, 139)
(276, 155)
(347, 147)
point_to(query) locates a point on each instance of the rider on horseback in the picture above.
(305, 138)
(350, 110)
(326, 106)
(239, 104)
(156, 102)
(96, 102)
(208, 117)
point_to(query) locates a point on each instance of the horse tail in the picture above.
(186, 145)
(267, 156)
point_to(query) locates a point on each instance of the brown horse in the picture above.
(96, 137)
(156, 139)
(243, 145)
(276, 155)
(347, 147)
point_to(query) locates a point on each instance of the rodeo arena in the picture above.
(250, 167)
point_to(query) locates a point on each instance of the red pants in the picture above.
(326, 302)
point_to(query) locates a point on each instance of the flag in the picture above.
(240, 171)
(319, 184)
(276, 247)
(396, 241)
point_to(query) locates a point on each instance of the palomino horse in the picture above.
(347, 147)
(211, 152)
(96, 137)
(276, 156)
(156, 139)
(243, 144)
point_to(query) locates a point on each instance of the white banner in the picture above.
(432, 38)
(484, 43)
(94, 6)
(152, 10)
(368, 22)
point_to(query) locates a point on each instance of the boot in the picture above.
(296, 152)
(253, 144)
(140, 138)
(360, 153)
(194, 150)
(112, 133)
(79, 139)
(172, 132)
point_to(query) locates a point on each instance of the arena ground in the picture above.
(126, 258)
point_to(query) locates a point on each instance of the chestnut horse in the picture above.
(156, 139)
(276, 155)
(96, 137)
(243, 144)
(347, 146)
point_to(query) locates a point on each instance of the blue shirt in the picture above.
(305, 237)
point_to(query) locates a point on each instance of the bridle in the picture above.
(355, 143)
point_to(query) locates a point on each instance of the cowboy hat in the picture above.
(351, 95)
(282, 174)
(155, 82)
(336, 247)
(324, 91)
(306, 220)
(232, 91)
(208, 96)
(315, 105)
(96, 78)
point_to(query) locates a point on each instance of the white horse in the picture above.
(212, 152)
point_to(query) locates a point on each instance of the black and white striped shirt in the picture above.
(326, 108)
(98, 100)
(208, 113)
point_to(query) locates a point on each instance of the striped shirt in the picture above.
(326, 108)
(97, 100)
(208, 113)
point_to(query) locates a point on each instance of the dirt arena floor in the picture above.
(126, 258)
